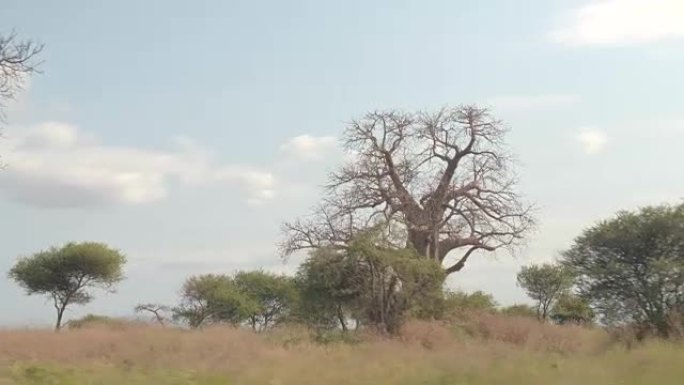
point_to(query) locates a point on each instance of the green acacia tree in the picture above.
(544, 283)
(631, 267)
(67, 274)
(273, 296)
(212, 298)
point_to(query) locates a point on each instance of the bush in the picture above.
(93, 320)
(458, 303)
(519, 310)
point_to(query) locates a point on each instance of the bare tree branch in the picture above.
(17, 63)
(156, 310)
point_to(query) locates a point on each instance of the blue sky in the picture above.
(184, 133)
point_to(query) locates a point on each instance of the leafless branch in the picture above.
(17, 63)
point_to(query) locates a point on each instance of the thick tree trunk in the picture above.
(420, 241)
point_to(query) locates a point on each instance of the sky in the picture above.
(185, 133)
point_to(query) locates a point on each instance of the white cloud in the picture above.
(621, 22)
(56, 165)
(518, 103)
(307, 147)
(592, 140)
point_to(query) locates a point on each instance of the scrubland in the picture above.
(477, 349)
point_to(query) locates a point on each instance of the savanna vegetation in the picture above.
(423, 193)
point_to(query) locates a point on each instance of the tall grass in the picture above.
(479, 349)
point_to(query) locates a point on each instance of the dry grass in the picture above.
(484, 349)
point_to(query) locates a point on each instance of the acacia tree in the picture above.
(545, 284)
(442, 181)
(631, 267)
(65, 274)
(17, 62)
(211, 298)
(274, 297)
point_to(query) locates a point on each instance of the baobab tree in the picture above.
(442, 181)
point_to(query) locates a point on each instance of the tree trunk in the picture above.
(420, 241)
(60, 314)
(340, 317)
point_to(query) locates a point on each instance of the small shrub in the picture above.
(519, 310)
(459, 304)
(93, 320)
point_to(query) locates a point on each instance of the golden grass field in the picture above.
(485, 349)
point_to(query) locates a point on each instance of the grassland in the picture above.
(485, 349)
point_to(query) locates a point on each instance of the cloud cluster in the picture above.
(622, 22)
(55, 165)
(592, 140)
(307, 147)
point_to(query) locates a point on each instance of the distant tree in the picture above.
(274, 297)
(459, 303)
(631, 267)
(91, 320)
(158, 311)
(211, 298)
(544, 284)
(570, 308)
(519, 310)
(17, 63)
(443, 182)
(66, 274)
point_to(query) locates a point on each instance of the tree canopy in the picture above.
(66, 274)
(631, 267)
(212, 298)
(274, 296)
(545, 284)
(258, 298)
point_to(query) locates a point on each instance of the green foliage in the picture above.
(544, 283)
(259, 298)
(393, 280)
(211, 298)
(631, 267)
(95, 320)
(273, 297)
(329, 290)
(371, 281)
(65, 274)
(519, 310)
(571, 308)
(460, 303)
